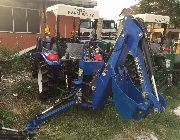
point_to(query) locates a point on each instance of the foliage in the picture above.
(6, 54)
(12, 63)
(127, 12)
(164, 7)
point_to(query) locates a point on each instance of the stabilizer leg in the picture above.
(34, 123)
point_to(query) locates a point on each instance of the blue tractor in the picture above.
(102, 82)
(51, 63)
(55, 59)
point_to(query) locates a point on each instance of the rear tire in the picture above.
(45, 81)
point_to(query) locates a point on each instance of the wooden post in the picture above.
(99, 28)
(44, 13)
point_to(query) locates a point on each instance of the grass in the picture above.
(25, 89)
(6, 116)
(11, 63)
(80, 123)
(105, 124)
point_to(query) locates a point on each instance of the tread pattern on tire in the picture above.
(48, 81)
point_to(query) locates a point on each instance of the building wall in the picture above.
(65, 25)
(19, 41)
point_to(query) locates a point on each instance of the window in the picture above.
(85, 24)
(108, 24)
(33, 21)
(112, 25)
(20, 22)
(6, 19)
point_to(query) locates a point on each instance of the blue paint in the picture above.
(34, 123)
(112, 77)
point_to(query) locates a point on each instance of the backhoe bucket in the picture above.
(128, 100)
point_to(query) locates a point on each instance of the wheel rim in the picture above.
(40, 80)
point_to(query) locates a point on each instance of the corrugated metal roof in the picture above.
(82, 3)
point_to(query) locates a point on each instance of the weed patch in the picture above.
(6, 116)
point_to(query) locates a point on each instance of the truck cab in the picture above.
(108, 29)
(86, 29)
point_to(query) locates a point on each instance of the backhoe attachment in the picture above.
(131, 102)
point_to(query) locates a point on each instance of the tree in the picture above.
(164, 7)
(126, 12)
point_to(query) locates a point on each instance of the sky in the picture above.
(111, 9)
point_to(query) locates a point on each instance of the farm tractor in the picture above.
(55, 59)
(168, 64)
(125, 79)
(164, 52)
